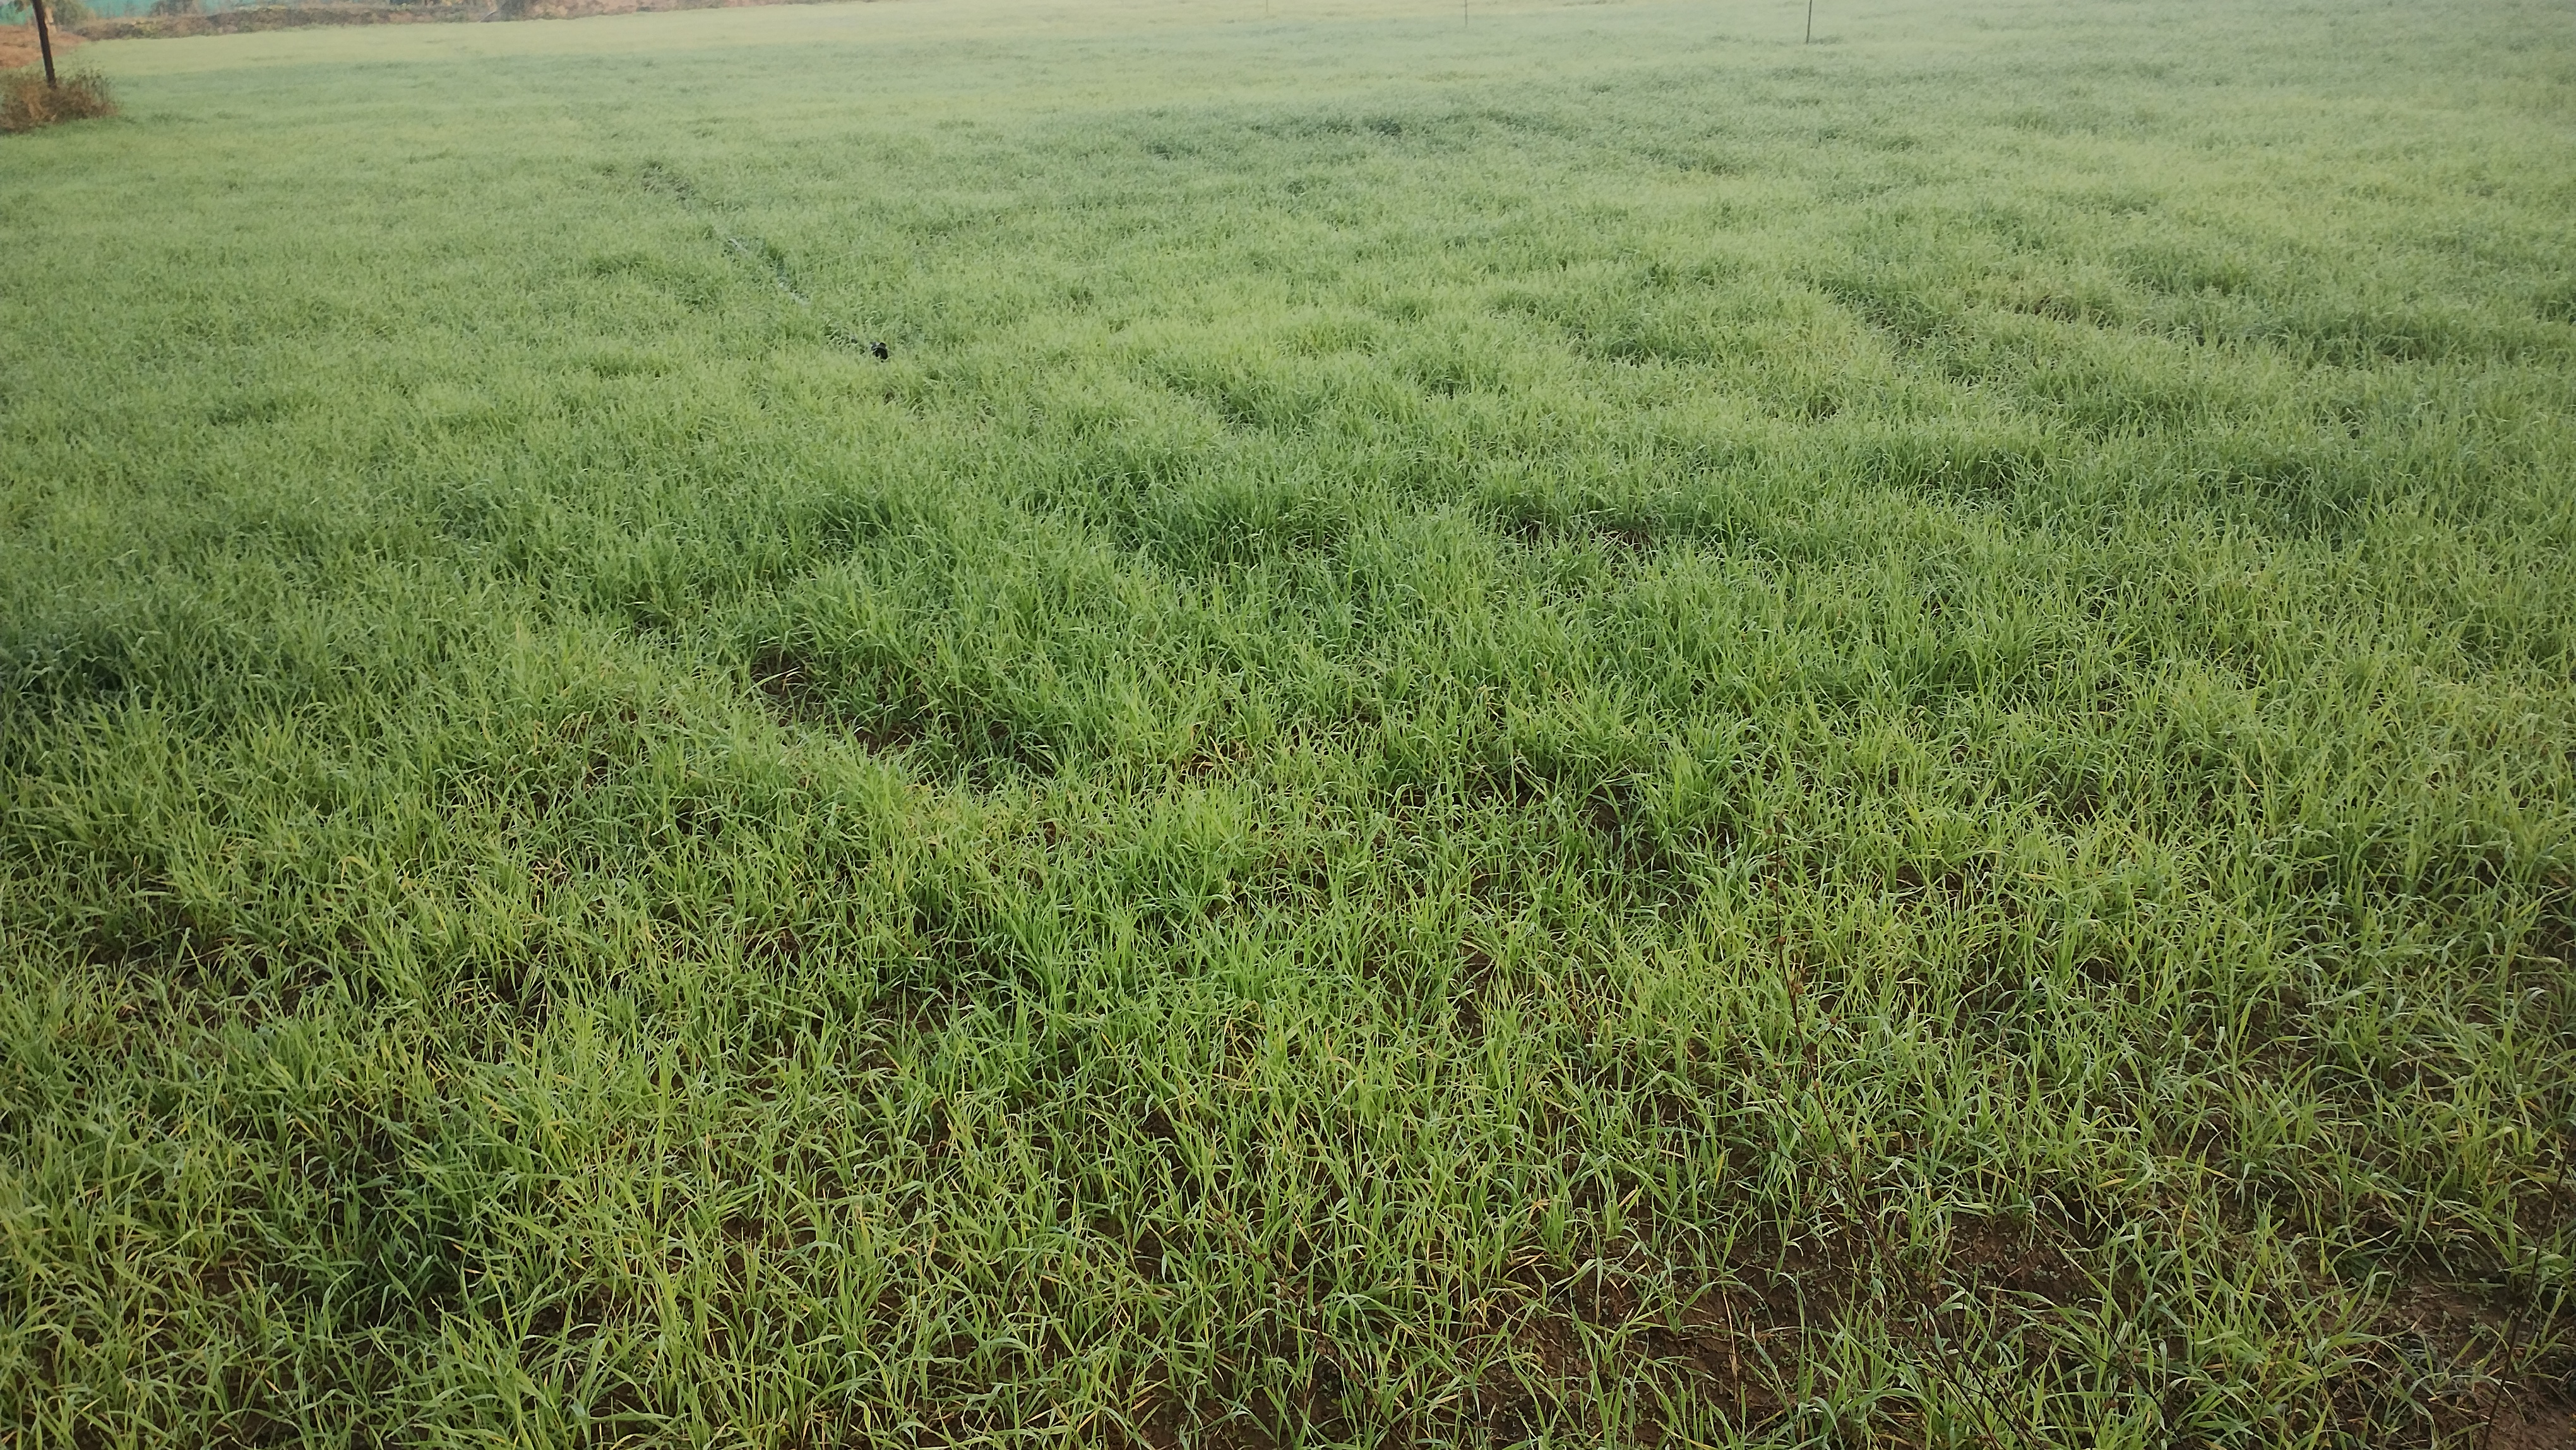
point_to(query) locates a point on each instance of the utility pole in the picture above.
(1811, 22)
(44, 42)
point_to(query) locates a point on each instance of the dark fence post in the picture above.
(44, 41)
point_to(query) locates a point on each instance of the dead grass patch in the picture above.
(26, 102)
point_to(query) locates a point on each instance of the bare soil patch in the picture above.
(18, 46)
(297, 17)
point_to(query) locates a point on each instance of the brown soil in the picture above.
(296, 17)
(2517, 1399)
(1737, 1347)
(18, 46)
(263, 17)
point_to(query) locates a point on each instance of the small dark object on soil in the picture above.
(878, 351)
(26, 102)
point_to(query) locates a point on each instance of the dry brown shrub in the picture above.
(26, 102)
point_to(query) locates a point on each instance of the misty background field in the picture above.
(1562, 725)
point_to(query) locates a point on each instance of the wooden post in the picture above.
(44, 42)
(1811, 22)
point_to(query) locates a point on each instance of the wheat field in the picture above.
(1217, 723)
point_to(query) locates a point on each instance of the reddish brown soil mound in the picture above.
(330, 12)
(18, 45)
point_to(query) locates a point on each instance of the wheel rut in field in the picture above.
(663, 181)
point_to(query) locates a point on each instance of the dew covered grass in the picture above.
(1581, 728)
